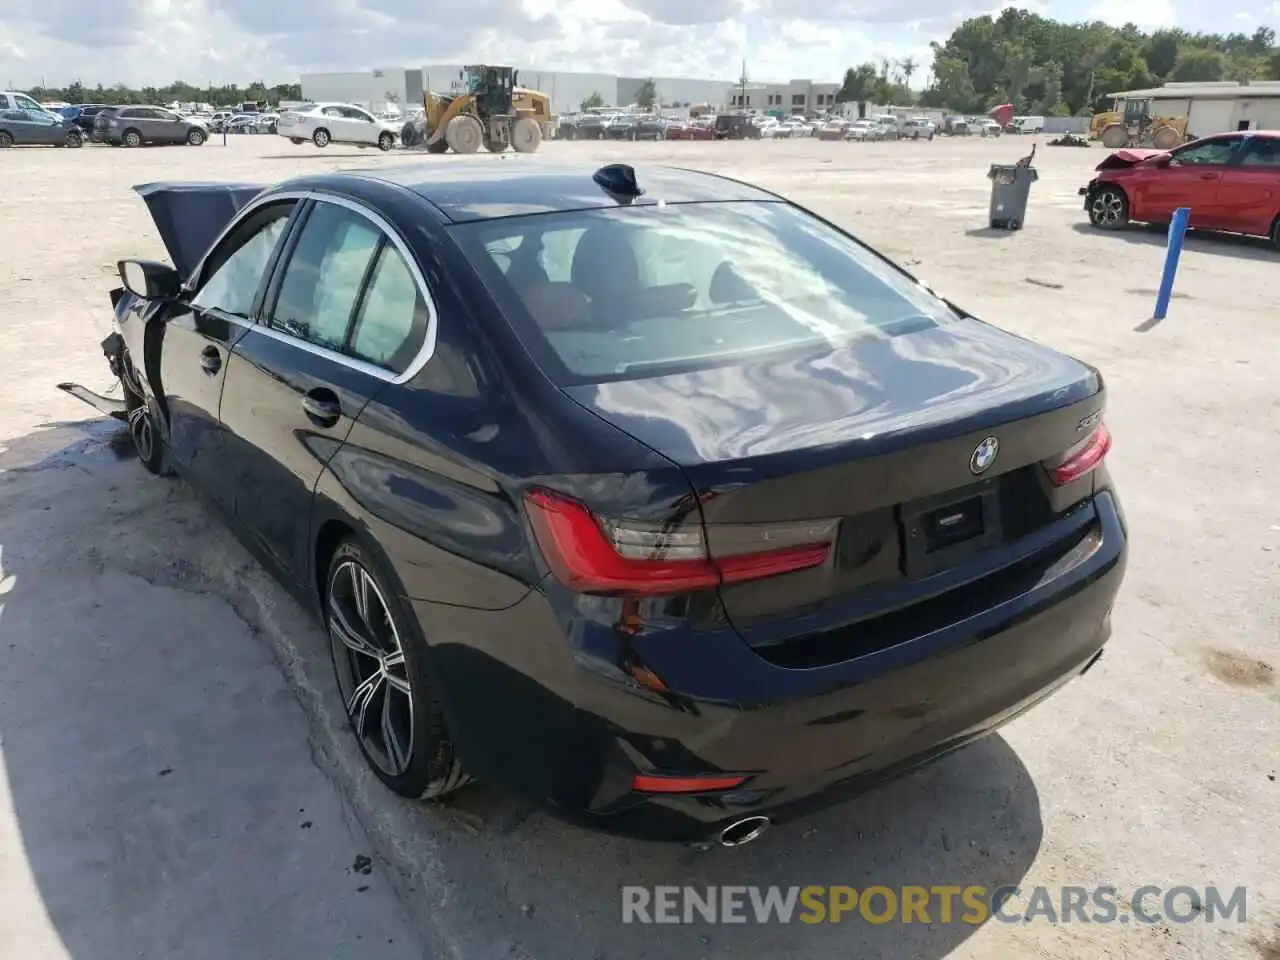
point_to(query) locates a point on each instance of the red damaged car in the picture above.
(1231, 182)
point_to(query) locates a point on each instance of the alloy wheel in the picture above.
(1107, 208)
(369, 659)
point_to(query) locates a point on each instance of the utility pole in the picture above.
(742, 88)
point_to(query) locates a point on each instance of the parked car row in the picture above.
(606, 125)
(624, 126)
(227, 121)
(130, 126)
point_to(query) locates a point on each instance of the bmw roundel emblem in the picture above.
(984, 455)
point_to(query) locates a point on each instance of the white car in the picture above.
(326, 123)
(862, 130)
(768, 126)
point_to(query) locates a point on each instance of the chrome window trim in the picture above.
(425, 352)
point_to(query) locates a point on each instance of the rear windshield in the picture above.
(630, 292)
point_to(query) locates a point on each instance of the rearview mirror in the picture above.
(150, 279)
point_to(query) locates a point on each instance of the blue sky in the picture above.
(201, 41)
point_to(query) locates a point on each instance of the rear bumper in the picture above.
(543, 703)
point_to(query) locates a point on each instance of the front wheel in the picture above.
(386, 141)
(75, 139)
(195, 137)
(144, 422)
(1109, 208)
(6, 139)
(1275, 233)
(387, 690)
(526, 135)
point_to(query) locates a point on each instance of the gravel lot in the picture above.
(177, 780)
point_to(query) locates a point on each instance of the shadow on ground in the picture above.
(158, 773)
(171, 797)
(1197, 241)
(990, 233)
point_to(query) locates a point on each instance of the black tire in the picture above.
(1275, 233)
(430, 768)
(6, 139)
(440, 146)
(131, 138)
(496, 146)
(297, 141)
(1109, 208)
(196, 137)
(321, 138)
(386, 141)
(75, 139)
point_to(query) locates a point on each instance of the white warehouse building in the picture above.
(567, 90)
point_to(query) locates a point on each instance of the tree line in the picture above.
(179, 91)
(1050, 68)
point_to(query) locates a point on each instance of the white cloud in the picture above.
(216, 41)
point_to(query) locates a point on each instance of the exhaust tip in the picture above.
(743, 831)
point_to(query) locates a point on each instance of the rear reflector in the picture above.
(1082, 458)
(652, 783)
(632, 558)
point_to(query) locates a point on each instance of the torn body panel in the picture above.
(1128, 158)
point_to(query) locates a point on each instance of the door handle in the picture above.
(1208, 176)
(322, 407)
(210, 360)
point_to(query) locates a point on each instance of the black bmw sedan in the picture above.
(645, 493)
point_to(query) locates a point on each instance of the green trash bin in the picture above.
(1010, 189)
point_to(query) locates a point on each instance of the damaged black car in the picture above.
(644, 493)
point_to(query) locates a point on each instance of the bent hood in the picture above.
(191, 216)
(1127, 158)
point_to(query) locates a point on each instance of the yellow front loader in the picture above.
(1135, 127)
(492, 111)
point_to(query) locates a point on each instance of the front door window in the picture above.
(235, 271)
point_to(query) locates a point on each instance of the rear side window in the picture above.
(614, 294)
(1262, 152)
(393, 318)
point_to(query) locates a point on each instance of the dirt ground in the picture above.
(177, 780)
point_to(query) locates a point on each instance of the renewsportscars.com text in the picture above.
(972, 905)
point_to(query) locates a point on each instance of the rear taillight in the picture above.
(632, 558)
(1082, 458)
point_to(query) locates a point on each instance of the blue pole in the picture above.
(1177, 232)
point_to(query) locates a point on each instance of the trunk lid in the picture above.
(883, 435)
(191, 216)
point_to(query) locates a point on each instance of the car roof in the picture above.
(486, 189)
